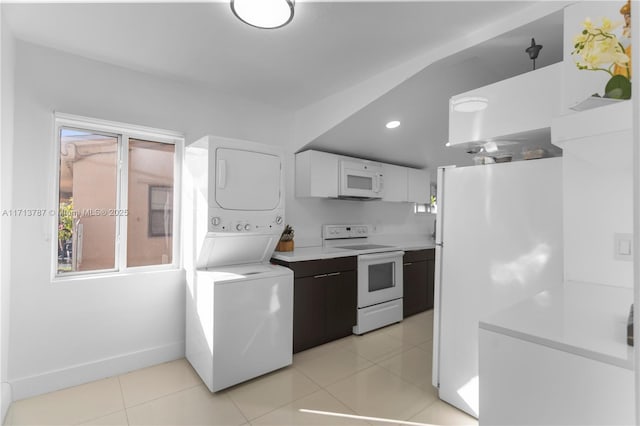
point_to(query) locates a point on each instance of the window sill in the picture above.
(137, 271)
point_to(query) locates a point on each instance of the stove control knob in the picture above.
(247, 227)
(215, 221)
(279, 220)
(239, 227)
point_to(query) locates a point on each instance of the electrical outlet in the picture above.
(623, 247)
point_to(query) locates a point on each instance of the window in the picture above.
(116, 187)
(160, 202)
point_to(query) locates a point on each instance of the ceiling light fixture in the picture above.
(490, 147)
(267, 14)
(469, 104)
(392, 124)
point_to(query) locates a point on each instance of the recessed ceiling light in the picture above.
(469, 104)
(266, 14)
(392, 124)
(490, 146)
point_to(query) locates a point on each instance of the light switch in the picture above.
(623, 247)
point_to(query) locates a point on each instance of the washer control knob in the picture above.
(247, 227)
(239, 227)
(215, 221)
(279, 220)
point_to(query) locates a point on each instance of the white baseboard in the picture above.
(101, 369)
(5, 400)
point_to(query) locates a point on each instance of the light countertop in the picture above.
(589, 320)
(405, 243)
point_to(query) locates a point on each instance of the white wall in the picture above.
(70, 332)
(598, 203)
(6, 136)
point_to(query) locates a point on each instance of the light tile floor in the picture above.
(383, 374)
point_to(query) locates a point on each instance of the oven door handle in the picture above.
(379, 256)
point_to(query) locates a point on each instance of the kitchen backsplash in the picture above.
(307, 215)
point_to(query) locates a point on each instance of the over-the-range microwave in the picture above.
(361, 180)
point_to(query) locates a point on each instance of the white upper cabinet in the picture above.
(511, 107)
(395, 183)
(317, 174)
(418, 186)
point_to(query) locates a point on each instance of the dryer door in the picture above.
(246, 180)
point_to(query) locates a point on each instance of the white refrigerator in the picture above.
(498, 241)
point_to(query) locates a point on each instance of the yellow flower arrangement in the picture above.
(597, 48)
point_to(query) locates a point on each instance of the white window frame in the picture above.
(124, 132)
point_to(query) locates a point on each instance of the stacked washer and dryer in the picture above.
(239, 307)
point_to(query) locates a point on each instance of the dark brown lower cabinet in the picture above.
(324, 300)
(309, 311)
(418, 279)
(431, 272)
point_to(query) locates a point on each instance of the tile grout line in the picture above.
(400, 378)
(165, 395)
(406, 381)
(397, 374)
(321, 387)
(341, 378)
(226, 394)
(124, 404)
(378, 362)
(290, 402)
(102, 415)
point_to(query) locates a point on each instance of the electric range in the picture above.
(379, 275)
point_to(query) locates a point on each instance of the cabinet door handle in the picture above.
(408, 263)
(320, 276)
(333, 274)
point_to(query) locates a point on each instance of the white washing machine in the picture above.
(239, 321)
(243, 323)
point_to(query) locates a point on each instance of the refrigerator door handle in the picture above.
(439, 226)
(437, 297)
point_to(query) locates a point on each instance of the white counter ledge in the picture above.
(406, 243)
(311, 253)
(589, 320)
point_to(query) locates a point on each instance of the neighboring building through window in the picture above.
(115, 196)
(160, 202)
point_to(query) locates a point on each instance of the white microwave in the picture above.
(360, 179)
